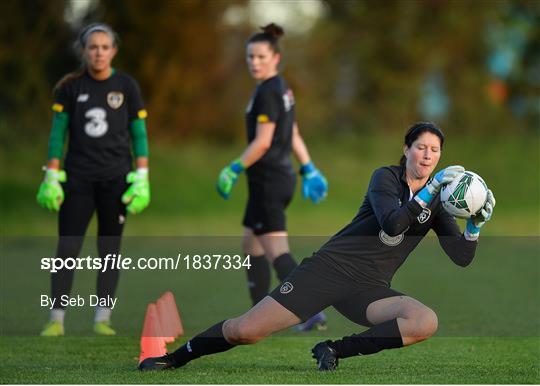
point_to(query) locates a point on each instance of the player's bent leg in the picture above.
(266, 317)
(397, 320)
(416, 321)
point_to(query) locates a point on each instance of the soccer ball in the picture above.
(465, 196)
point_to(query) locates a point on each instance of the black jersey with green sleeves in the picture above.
(99, 116)
(272, 101)
(388, 227)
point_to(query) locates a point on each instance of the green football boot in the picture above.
(53, 328)
(104, 328)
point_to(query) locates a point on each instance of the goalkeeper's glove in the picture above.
(228, 177)
(51, 195)
(475, 222)
(433, 187)
(137, 196)
(314, 185)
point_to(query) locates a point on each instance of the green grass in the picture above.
(80, 360)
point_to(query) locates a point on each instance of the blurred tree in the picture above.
(176, 50)
(372, 58)
(361, 68)
(33, 53)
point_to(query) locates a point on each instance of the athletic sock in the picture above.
(258, 276)
(380, 337)
(57, 315)
(284, 264)
(103, 314)
(208, 342)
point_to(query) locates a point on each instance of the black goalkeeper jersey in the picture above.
(387, 228)
(99, 116)
(272, 101)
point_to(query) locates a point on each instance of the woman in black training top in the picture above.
(101, 111)
(272, 133)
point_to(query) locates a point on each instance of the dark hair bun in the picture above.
(273, 29)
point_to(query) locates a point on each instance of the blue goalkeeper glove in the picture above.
(474, 223)
(228, 177)
(314, 185)
(433, 187)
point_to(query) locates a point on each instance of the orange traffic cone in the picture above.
(177, 329)
(166, 322)
(152, 342)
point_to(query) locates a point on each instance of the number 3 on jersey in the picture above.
(97, 125)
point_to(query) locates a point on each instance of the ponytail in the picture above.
(271, 33)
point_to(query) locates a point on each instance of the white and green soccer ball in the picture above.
(465, 196)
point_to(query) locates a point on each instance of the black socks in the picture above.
(258, 277)
(208, 342)
(284, 264)
(380, 337)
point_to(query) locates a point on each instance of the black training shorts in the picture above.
(268, 199)
(318, 283)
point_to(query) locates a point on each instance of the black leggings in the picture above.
(82, 197)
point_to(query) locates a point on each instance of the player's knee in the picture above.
(240, 332)
(426, 323)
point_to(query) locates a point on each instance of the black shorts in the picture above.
(265, 209)
(317, 284)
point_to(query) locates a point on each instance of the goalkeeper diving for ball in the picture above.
(353, 270)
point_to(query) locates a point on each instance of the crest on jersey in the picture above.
(391, 241)
(424, 216)
(115, 99)
(286, 288)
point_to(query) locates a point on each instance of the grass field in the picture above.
(277, 360)
(489, 314)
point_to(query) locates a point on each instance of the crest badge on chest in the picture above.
(424, 216)
(115, 99)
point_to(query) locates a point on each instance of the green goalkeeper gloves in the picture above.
(137, 196)
(51, 195)
(228, 177)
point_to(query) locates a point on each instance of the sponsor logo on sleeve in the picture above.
(288, 100)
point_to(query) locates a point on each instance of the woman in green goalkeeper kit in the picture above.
(101, 111)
